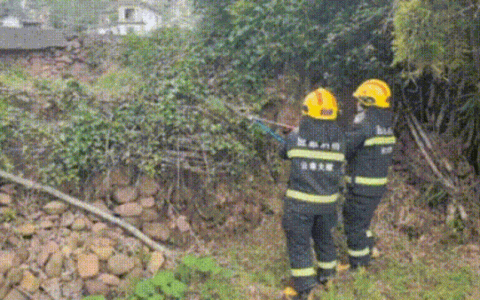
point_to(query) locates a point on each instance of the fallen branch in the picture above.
(428, 158)
(89, 208)
(453, 206)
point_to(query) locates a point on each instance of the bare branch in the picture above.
(89, 208)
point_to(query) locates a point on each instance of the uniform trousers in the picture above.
(300, 229)
(358, 211)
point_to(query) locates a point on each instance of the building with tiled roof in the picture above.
(30, 38)
(130, 16)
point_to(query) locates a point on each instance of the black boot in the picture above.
(325, 275)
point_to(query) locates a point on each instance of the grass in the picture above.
(409, 268)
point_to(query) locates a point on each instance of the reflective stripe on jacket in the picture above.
(316, 165)
(369, 152)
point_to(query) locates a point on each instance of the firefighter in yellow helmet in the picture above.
(370, 145)
(316, 150)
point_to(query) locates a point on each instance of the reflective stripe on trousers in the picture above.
(303, 272)
(311, 197)
(359, 253)
(327, 265)
(371, 181)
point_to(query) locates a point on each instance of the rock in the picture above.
(15, 275)
(15, 241)
(134, 221)
(147, 202)
(5, 199)
(156, 261)
(148, 186)
(132, 209)
(30, 282)
(103, 242)
(5, 210)
(120, 264)
(103, 252)
(125, 194)
(74, 44)
(101, 206)
(41, 295)
(134, 274)
(182, 224)
(2, 279)
(99, 227)
(54, 265)
(72, 290)
(46, 224)
(88, 265)
(52, 288)
(64, 59)
(21, 255)
(99, 187)
(15, 295)
(109, 279)
(157, 231)
(8, 189)
(472, 248)
(7, 261)
(73, 241)
(79, 224)
(137, 262)
(45, 252)
(116, 234)
(119, 177)
(55, 208)
(26, 230)
(34, 243)
(131, 245)
(67, 219)
(67, 250)
(149, 215)
(96, 287)
(4, 290)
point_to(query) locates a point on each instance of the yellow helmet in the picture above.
(374, 92)
(320, 104)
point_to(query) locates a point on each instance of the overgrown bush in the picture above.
(328, 43)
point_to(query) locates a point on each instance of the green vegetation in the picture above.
(173, 100)
(197, 275)
(314, 40)
(437, 44)
(117, 84)
(8, 215)
(77, 15)
(15, 78)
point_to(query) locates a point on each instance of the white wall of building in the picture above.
(151, 19)
(141, 19)
(12, 21)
